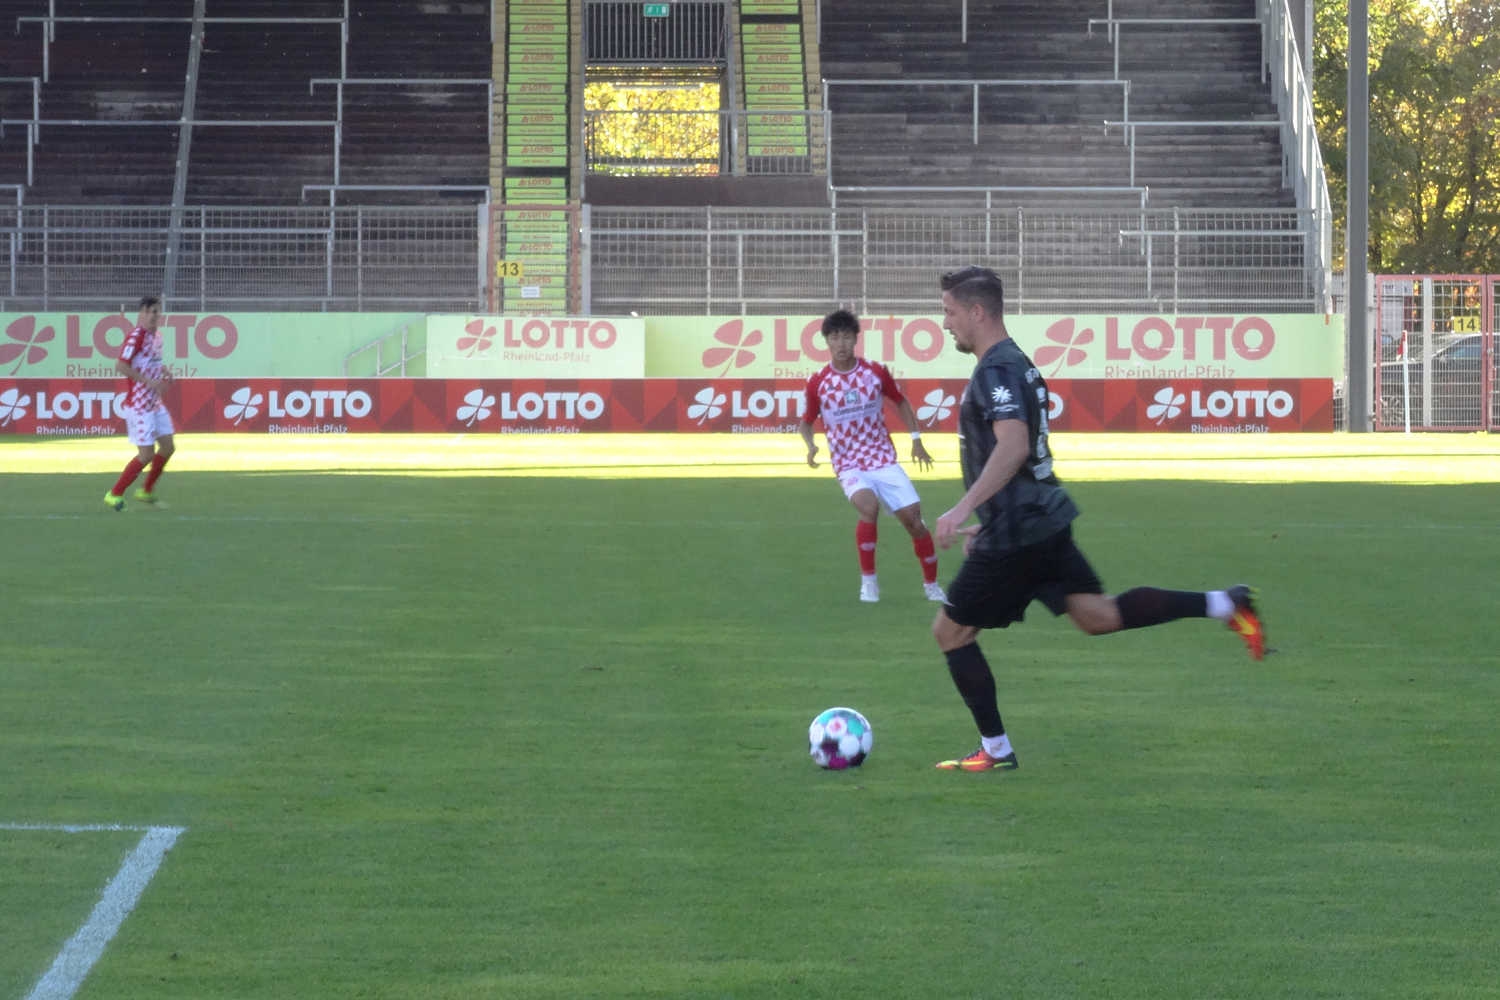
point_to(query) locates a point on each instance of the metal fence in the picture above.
(1436, 364)
(658, 260)
(687, 31)
(347, 258)
(723, 261)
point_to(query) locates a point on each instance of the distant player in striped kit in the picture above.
(146, 417)
(849, 393)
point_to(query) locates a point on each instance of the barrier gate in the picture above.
(1436, 364)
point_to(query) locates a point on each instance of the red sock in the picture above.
(927, 553)
(864, 537)
(132, 469)
(158, 463)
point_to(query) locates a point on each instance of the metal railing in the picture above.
(289, 258)
(1129, 130)
(658, 260)
(49, 24)
(384, 81)
(694, 32)
(1302, 158)
(714, 261)
(975, 85)
(1020, 192)
(1114, 24)
(333, 190)
(33, 129)
(1195, 246)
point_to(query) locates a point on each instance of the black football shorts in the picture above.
(992, 590)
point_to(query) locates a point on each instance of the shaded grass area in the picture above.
(543, 737)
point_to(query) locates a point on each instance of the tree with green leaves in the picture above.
(1434, 130)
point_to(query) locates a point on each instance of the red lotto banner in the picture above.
(93, 407)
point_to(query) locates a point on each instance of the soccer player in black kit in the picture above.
(1022, 550)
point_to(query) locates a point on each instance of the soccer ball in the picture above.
(839, 738)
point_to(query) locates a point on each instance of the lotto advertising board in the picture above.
(200, 345)
(1063, 347)
(277, 373)
(471, 347)
(84, 407)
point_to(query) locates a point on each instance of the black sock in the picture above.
(976, 685)
(1147, 606)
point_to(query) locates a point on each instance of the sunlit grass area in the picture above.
(1388, 458)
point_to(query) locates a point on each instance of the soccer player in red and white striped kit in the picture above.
(849, 393)
(146, 417)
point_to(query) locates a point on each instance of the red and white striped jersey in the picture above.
(852, 405)
(142, 351)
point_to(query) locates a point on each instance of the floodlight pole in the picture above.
(1357, 252)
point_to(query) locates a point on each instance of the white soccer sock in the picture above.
(1220, 605)
(996, 746)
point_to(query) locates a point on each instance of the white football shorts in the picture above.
(145, 426)
(890, 484)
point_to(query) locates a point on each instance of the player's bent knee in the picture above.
(949, 634)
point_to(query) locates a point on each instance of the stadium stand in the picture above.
(1050, 133)
(1118, 160)
(121, 73)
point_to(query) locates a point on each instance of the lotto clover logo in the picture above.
(25, 347)
(245, 404)
(936, 405)
(478, 405)
(477, 339)
(1065, 346)
(706, 405)
(12, 405)
(736, 353)
(1166, 405)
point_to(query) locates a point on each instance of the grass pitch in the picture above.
(525, 717)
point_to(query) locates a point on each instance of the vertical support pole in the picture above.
(1357, 255)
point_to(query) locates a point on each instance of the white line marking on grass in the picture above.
(85, 947)
(77, 828)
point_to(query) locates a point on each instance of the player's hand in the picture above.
(949, 527)
(812, 461)
(970, 533)
(920, 456)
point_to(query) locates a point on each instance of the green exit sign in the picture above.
(657, 9)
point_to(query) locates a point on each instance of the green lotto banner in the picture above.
(207, 345)
(535, 347)
(358, 345)
(1075, 347)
